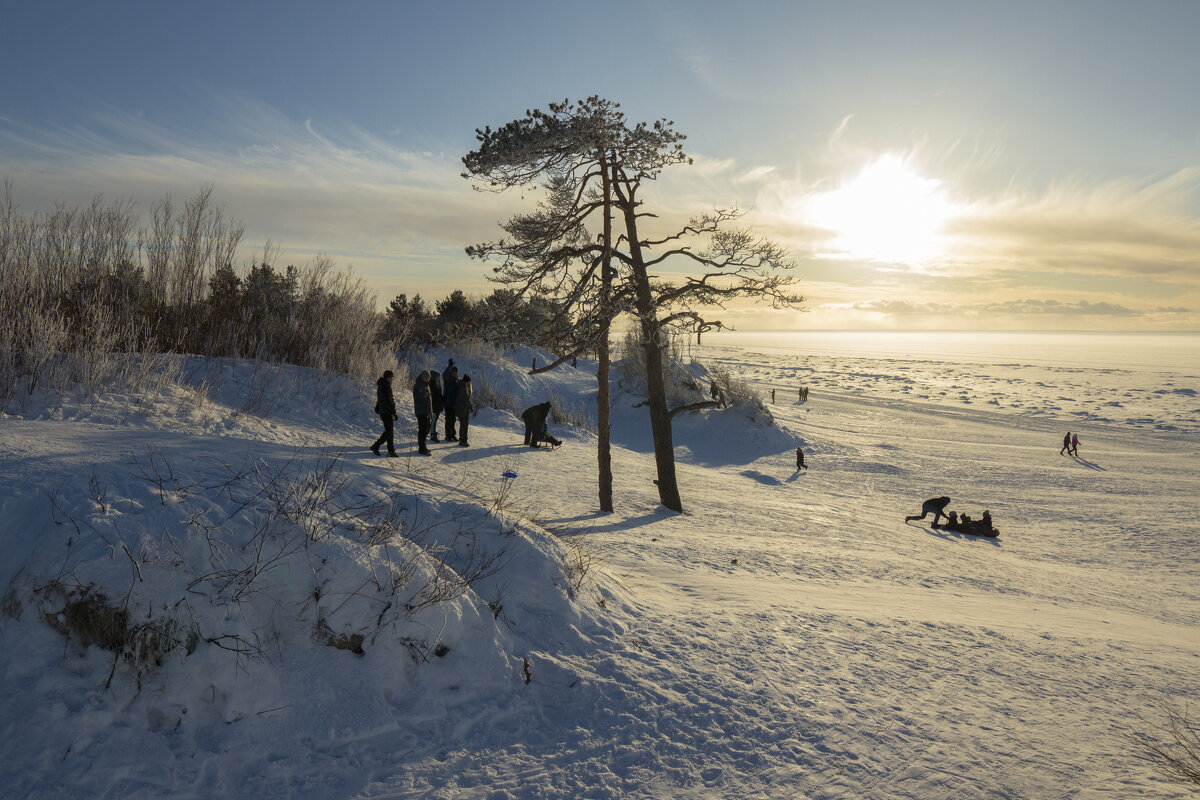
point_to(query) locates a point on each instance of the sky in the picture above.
(928, 165)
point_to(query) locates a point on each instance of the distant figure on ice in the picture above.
(385, 407)
(935, 506)
(1066, 443)
(534, 418)
(800, 459)
(1074, 444)
(772, 395)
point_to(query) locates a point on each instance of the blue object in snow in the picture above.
(510, 474)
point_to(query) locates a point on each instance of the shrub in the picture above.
(1175, 749)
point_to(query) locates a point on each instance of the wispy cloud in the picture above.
(309, 187)
(1007, 307)
(1144, 228)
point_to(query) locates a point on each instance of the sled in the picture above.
(991, 533)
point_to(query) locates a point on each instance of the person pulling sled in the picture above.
(935, 506)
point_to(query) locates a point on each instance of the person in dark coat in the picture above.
(422, 410)
(935, 506)
(534, 418)
(449, 395)
(385, 407)
(1066, 443)
(800, 459)
(438, 401)
(463, 408)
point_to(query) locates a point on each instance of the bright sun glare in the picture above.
(887, 213)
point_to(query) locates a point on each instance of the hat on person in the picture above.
(387, 373)
(466, 378)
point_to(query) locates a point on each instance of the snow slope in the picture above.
(787, 636)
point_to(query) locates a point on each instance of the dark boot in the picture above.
(375, 449)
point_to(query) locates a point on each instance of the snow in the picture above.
(787, 636)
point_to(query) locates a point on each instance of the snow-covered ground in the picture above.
(789, 635)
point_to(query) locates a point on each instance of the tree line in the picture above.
(80, 284)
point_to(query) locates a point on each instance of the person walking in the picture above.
(449, 395)
(437, 401)
(462, 407)
(385, 407)
(1074, 444)
(800, 465)
(422, 409)
(1066, 443)
(935, 506)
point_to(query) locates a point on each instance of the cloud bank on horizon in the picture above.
(923, 174)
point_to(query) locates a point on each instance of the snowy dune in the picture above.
(789, 635)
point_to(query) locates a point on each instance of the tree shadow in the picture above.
(584, 525)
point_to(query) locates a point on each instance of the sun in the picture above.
(887, 213)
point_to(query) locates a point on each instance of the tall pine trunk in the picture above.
(603, 445)
(660, 418)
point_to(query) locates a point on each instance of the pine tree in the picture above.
(592, 162)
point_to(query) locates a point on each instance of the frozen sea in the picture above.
(1142, 381)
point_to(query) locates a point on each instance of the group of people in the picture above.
(961, 523)
(434, 394)
(1070, 444)
(437, 393)
(803, 391)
